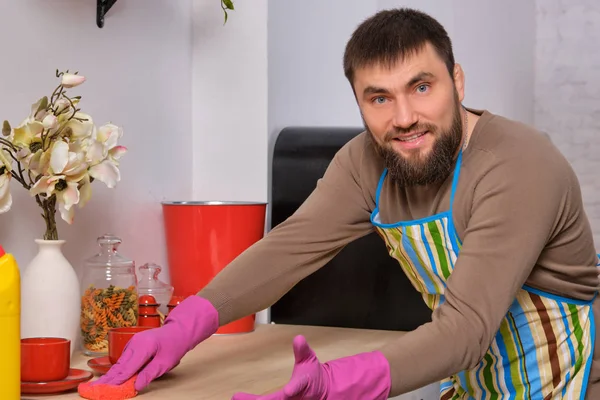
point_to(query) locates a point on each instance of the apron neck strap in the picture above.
(455, 177)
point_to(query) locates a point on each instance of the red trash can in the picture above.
(202, 237)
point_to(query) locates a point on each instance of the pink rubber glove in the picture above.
(156, 351)
(364, 376)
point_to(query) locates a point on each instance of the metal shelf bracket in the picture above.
(102, 7)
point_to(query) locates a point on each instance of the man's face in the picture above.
(413, 114)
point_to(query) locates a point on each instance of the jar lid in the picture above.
(150, 283)
(108, 256)
(148, 300)
(175, 301)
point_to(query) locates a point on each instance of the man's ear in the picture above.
(459, 81)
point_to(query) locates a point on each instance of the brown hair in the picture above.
(391, 35)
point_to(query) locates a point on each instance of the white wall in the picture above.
(139, 68)
(567, 89)
(230, 102)
(495, 44)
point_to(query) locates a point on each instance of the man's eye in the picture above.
(422, 88)
(379, 100)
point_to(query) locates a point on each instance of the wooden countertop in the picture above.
(258, 362)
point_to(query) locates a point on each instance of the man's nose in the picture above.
(405, 116)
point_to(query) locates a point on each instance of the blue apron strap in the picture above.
(455, 178)
(379, 186)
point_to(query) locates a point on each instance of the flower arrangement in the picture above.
(56, 153)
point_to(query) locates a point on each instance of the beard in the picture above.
(417, 169)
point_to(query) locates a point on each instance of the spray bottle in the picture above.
(10, 327)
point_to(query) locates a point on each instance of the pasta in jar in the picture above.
(104, 309)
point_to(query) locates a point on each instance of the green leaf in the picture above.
(6, 128)
(228, 4)
(43, 104)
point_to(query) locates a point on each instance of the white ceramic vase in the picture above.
(50, 295)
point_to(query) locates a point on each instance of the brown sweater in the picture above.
(518, 211)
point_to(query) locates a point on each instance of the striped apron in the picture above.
(544, 347)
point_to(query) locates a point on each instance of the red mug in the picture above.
(45, 359)
(118, 338)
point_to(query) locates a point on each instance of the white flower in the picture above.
(61, 105)
(103, 154)
(72, 80)
(50, 122)
(81, 126)
(103, 140)
(39, 109)
(65, 162)
(85, 191)
(28, 133)
(67, 170)
(28, 138)
(116, 153)
(38, 163)
(106, 172)
(5, 175)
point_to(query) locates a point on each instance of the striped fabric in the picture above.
(425, 254)
(543, 349)
(544, 345)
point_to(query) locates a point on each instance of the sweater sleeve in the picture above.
(518, 205)
(335, 214)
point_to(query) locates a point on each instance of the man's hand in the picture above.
(150, 354)
(359, 377)
(153, 352)
(309, 377)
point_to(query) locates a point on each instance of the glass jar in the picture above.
(110, 295)
(150, 284)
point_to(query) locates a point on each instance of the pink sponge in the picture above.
(103, 391)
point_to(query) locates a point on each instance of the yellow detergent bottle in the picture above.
(10, 328)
